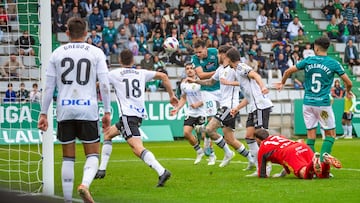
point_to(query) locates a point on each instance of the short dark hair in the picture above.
(224, 48)
(323, 42)
(233, 54)
(261, 133)
(76, 27)
(199, 43)
(126, 57)
(35, 85)
(10, 84)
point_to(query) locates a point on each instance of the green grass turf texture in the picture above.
(129, 179)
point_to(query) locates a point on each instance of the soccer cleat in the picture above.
(348, 137)
(163, 178)
(279, 175)
(254, 174)
(85, 194)
(251, 166)
(212, 159)
(100, 174)
(331, 160)
(227, 159)
(198, 157)
(317, 164)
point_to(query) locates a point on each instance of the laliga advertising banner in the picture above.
(18, 123)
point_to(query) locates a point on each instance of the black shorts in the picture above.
(348, 116)
(223, 115)
(194, 121)
(259, 118)
(129, 126)
(85, 131)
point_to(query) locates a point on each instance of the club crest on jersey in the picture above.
(75, 102)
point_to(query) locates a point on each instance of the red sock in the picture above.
(325, 170)
(309, 171)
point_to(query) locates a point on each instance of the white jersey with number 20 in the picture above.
(76, 66)
(129, 85)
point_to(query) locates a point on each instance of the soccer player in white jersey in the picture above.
(255, 96)
(129, 84)
(73, 68)
(229, 99)
(195, 112)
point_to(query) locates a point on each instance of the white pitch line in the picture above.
(192, 159)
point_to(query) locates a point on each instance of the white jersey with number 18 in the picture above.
(76, 66)
(129, 85)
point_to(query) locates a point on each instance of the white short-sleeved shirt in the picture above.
(193, 95)
(76, 66)
(251, 90)
(129, 85)
(229, 93)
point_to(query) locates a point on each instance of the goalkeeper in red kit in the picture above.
(294, 156)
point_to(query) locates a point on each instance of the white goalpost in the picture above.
(48, 142)
(26, 154)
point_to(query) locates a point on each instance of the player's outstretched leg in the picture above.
(317, 164)
(105, 156)
(328, 159)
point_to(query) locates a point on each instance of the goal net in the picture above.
(21, 157)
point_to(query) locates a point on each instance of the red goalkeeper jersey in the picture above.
(290, 154)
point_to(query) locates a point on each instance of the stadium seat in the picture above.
(250, 25)
(29, 61)
(339, 47)
(62, 37)
(253, 15)
(266, 47)
(323, 24)
(244, 14)
(172, 72)
(295, 94)
(319, 4)
(309, 4)
(138, 59)
(356, 70)
(317, 14)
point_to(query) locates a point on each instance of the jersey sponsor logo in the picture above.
(209, 66)
(75, 102)
(139, 110)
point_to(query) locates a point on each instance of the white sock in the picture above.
(149, 158)
(67, 178)
(345, 129)
(90, 169)
(254, 148)
(198, 149)
(349, 127)
(222, 144)
(207, 141)
(105, 154)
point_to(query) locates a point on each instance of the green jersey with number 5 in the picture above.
(319, 76)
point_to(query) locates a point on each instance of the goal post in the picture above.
(45, 39)
(26, 154)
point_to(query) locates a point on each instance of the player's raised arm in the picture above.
(286, 75)
(203, 75)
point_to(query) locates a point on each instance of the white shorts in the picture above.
(211, 101)
(313, 115)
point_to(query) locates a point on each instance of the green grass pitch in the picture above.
(128, 179)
